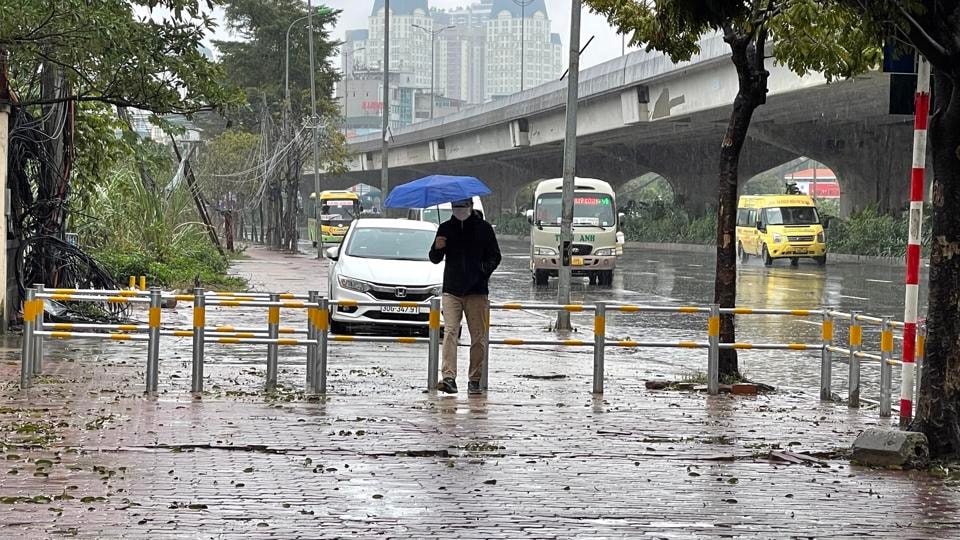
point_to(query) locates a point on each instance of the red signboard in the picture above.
(372, 105)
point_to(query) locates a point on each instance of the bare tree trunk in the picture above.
(752, 76)
(938, 408)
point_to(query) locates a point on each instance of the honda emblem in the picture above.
(401, 292)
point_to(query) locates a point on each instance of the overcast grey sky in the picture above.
(605, 46)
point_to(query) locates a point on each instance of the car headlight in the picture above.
(544, 251)
(777, 238)
(821, 237)
(353, 284)
(436, 290)
(605, 252)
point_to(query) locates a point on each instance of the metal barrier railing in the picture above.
(318, 337)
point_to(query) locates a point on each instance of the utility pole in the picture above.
(315, 124)
(385, 111)
(4, 142)
(569, 167)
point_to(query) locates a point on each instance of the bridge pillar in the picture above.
(872, 162)
(692, 167)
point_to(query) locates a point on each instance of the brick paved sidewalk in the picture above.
(87, 455)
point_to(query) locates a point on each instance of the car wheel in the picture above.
(765, 255)
(744, 256)
(821, 261)
(540, 277)
(605, 278)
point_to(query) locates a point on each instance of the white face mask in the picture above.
(462, 213)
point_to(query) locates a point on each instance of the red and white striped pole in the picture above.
(911, 296)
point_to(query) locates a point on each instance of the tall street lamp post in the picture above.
(433, 49)
(523, 34)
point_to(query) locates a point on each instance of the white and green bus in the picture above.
(596, 222)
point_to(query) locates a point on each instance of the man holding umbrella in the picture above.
(469, 245)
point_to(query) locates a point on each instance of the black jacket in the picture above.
(472, 255)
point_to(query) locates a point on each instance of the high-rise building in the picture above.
(409, 46)
(476, 57)
(510, 55)
(463, 51)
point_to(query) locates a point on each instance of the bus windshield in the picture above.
(792, 215)
(594, 209)
(339, 210)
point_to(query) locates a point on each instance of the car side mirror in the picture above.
(826, 223)
(332, 253)
(530, 216)
(760, 227)
(621, 217)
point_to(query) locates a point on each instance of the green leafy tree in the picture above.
(73, 66)
(258, 63)
(751, 28)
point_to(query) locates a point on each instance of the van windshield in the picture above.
(792, 215)
(588, 209)
(430, 214)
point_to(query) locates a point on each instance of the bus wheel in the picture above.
(765, 255)
(314, 243)
(744, 256)
(821, 261)
(540, 277)
(794, 261)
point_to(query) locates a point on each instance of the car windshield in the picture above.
(333, 210)
(430, 214)
(588, 209)
(792, 215)
(391, 243)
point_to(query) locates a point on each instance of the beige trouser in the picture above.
(476, 307)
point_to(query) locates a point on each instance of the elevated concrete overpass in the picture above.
(643, 113)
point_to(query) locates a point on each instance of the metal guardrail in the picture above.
(318, 337)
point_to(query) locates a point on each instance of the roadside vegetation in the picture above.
(132, 230)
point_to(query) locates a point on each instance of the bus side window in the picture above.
(752, 218)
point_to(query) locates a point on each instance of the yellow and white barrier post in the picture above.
(599, 345)
(273, 332)
(853, 377)
(199, 322)
(27, 342)
(153, 346)
(826, 357)
(38, 326)
(886, 370)
(433, 355)
(323, 338)
(312, 298)
(713, 358)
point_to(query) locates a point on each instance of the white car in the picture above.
(384, 259)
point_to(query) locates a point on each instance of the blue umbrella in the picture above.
(435, 189)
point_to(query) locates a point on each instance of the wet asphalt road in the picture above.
(664, 278)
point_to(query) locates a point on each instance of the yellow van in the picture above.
(780, 227)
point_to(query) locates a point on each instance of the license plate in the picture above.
(800, 252)
(400, 309)
(577, 261)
